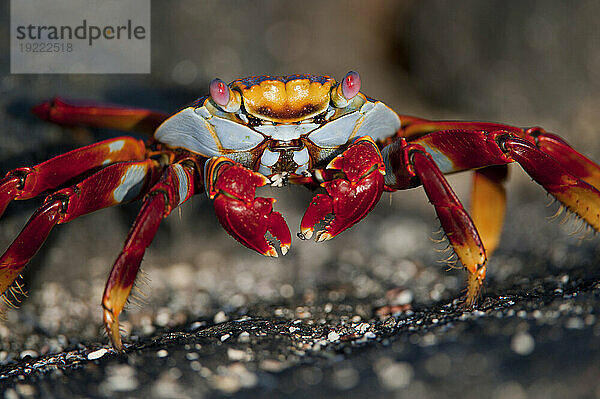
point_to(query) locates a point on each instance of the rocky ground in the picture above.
(366, 322)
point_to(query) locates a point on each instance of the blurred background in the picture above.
(521, 62)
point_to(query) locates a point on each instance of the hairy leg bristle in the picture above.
(14, 294)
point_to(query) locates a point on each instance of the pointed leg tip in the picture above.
(272, 253)
(323, 236)
(306, 233)
(285, 249)
(111, 324)
(475, 283)
(41, 110)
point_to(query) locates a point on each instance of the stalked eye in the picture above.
(224, 97)
(346, 90)
(350, 85)
(219, 92)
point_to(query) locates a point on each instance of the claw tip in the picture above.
(323, 236)
(272, 253)
(306, 233)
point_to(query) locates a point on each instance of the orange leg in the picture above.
(488, 204)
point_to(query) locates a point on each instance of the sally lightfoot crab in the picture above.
(278, 130)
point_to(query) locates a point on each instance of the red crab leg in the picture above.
(24, 183)
(177, 184)
(556, 147)
(457, 150)
(413, 127)
(469, 149)
(488, 204)
(112, 185)
(246, 218)
(354, 184)
(579, 196)
(458, 226)
(116, 117)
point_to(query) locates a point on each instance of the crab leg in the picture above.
(488, 204)
(558, 149)
(456, 150)
(413, 127)
(117, 183)
(579, 196)
(116, 117)
(412, 161)
(177, 184)
(25, 183)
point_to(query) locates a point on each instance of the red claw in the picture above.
(245, 217)
(351, 197)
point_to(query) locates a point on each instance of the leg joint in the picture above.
(501, 142)
(21, 175)
(63, 198)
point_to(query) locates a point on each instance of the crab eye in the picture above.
(224, 97)
(350, 85)
(219, 92)
(346, 90)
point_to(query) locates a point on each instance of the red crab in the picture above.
(277, 130)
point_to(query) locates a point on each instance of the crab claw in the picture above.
(245, 217)
(350, 196)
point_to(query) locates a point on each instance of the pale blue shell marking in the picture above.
(235, 136)
(441, 160)
(202, 133)
(131, 183)
(379, 122)
(301, 158)
(335, 133)
(390, 176)
(184, 184)
(374, 119)
(269, 158)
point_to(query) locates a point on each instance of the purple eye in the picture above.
(351, 85)
(219, 92)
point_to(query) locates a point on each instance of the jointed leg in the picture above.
(456, 150)
(412, 161)
(177, 184)
(25, 183)
(557, 148)
(552, 163)
(579, 196)
(112, 185)
(126, 119)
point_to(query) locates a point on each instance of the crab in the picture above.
(278, 130)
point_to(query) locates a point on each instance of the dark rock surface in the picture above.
(537, 339)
